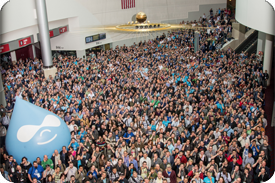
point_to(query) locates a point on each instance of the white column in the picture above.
(44, 37)
(13, 57)
(261, 42)
(196, 41)
(268, 56)
(80, 53)
(33, 51)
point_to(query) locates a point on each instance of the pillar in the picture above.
(261, 42)
(196, 41)
(268, 55)
(44, 38)
(13, 57)
(2, 92)
(33, 51)
(80, 54)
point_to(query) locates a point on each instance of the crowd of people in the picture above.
(153, 112)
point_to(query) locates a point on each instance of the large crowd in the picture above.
(153, 112)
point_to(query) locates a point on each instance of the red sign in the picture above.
(51, 33)
(24, 42)
(4, 48)
(62, 30)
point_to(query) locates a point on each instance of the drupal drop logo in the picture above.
(27, 132)
(34, 132)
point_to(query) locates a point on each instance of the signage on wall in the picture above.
(62, 30)
(4, 48)
(94, 38)
(24, 42)
(51, 33)
(59, 47)
(56, 31)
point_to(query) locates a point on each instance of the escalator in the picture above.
(249, 45)
(252, 48)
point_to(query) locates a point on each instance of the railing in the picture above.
(244, 45)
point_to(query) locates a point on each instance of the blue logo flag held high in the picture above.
(34, 132)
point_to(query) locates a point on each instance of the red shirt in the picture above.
(182, 159)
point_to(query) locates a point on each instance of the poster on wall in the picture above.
(62, 30)
(4, 48)
(96, 37)
(102, 36)
(89, 39)
(51, 33)
(24, 42)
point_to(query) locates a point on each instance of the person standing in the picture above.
(11, 168)
(170, 174)
(35, 172)
(209, 178)
(265, 78)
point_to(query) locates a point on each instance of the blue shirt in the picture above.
(207, 180)
(220, 106)
(165, 123)
(229, 131)
(254, 151)
(153, 127)
(78, 163)
(134, 163)
(82, 135)
(36, 172)
(75, 145)
(127, 135)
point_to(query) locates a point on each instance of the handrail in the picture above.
(251, 46)
(254, 34)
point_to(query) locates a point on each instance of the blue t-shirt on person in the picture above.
(75, 145)
(207, 180)
(36, 172)
(127, 135)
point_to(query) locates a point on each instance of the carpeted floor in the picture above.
(269, 100)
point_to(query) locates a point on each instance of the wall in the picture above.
(195, 15)
(257, 14)
(18, 18)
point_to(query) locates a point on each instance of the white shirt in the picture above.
(147, 160)
(71, 127)
(6, 120)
